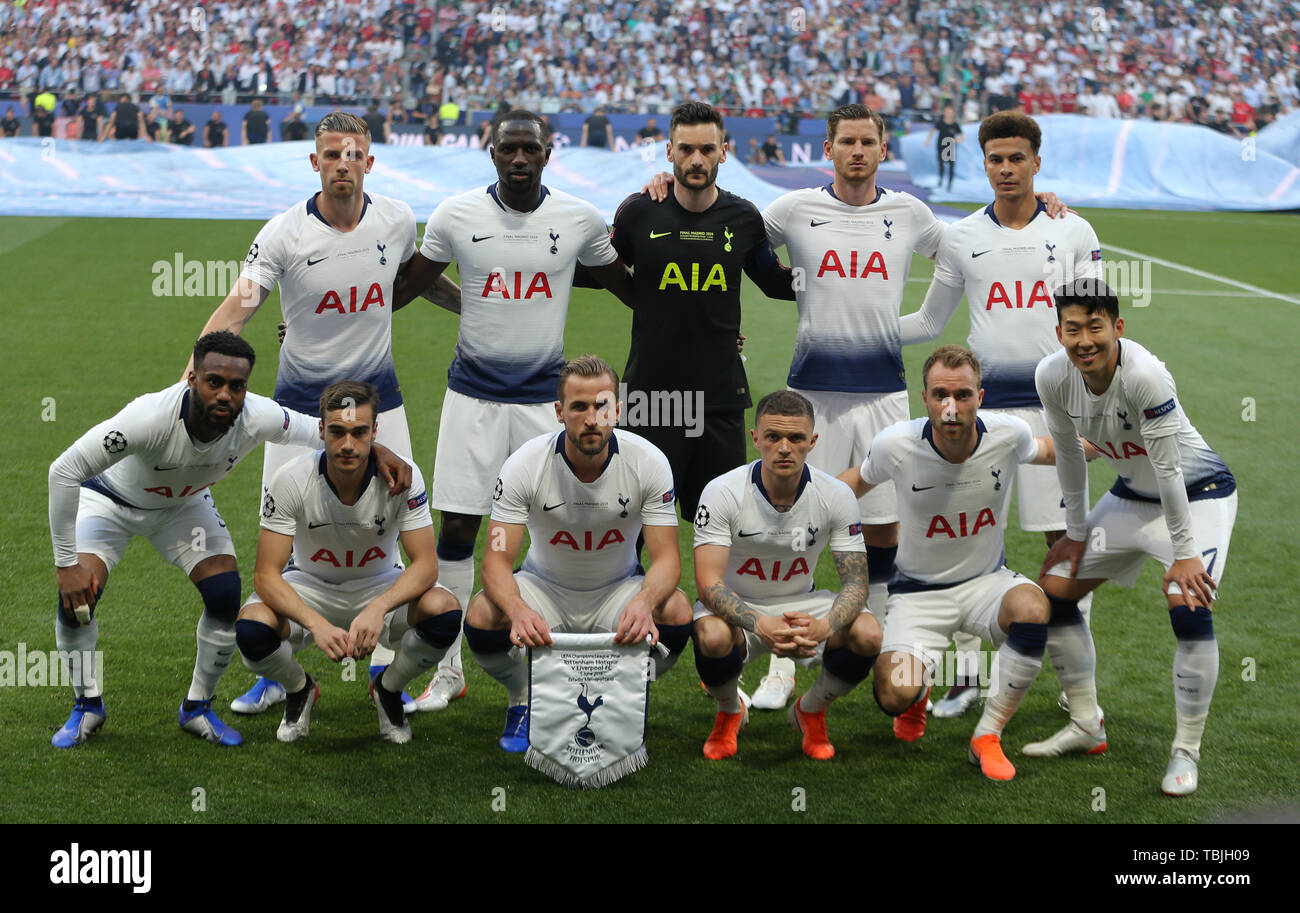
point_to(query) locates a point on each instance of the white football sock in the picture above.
(877, 593)
(727, 695)
(280, 666)
(457, 576)
(783, 665)
(1017, 672)
(216, 644)
(1195, 673)
(1072, 644)
(826, 689)
(80, 640)
(415, 656)
(510, 670)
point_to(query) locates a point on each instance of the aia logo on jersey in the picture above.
(675, 276)
(941, 526)
(374, 553)
(1037, 295)
(333, 302)
(754, 567)
(832, 262)
(166, 491)
(565, 538)
(1124, 451)
(498, 283)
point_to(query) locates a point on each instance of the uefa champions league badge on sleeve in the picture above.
(588, 708)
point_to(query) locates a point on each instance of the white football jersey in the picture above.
(583, 534)
(1009, 275)
(853, 262)
(774, 553)
(336, 294)
(333, 541)
(144, 457)
(516, 272)
(951, 516)
(1141, 404)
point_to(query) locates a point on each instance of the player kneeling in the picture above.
(345, 589)
(584, 495)
(953, 472)
(758, 532)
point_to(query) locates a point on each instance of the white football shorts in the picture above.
(183, 535)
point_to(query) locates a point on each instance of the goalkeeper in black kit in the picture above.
(686, 389)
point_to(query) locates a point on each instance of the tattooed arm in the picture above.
(721, 600)
(852, 567)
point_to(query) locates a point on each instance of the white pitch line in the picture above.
(1267, 293)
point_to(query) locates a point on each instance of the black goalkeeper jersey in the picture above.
(687, 268)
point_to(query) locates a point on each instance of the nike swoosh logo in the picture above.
(316, 525)
(551, 506)
(922, 488)
(164, 468)
(973, 255)
(659, 234)
(747, 535)
(311, 262)
(813, 223)
(1193, 675)
(1072, 415)
(476, 238)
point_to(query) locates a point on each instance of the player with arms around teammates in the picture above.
(1007, 258)
(1174, 501)
(516, 243)
(584, 495)
(759, 530)
(146, 472)
(851, 244)
(687, 254)
(327, 517)
(334, 257)
(954, 472)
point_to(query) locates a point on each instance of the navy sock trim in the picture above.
(1064, 612)
(487, 640)
(716, 671)
(674, 637)
(65, 616)
(255, 639)
(1189, 625)
(440, 630)
(448, 551)
(880, 563)
(1027, 637)
(220, 594)
(846, 665)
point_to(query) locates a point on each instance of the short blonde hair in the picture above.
(952, 356)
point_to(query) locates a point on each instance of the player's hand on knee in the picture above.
(635, 623)
(1064, 549)
(1198, 586)
(530, 630)
(363, 634)
(77, 585)
(658, 186)
(807, 632)
(334, 642)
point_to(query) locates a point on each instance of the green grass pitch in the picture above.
(86, 334)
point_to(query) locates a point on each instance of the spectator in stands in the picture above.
(92, 118)
(256, 127)
(433, 132)
(214, 133)
(771, 149)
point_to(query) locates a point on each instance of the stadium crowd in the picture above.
(1233, 66)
